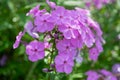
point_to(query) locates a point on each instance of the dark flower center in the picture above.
(35, 50)
(65, 62)
(44, 20)
(67, 47)
(61, 16)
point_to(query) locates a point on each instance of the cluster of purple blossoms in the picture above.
(65, 32)
(104, 74)
(98, 3)
(100, 75)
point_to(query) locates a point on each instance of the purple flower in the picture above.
(64, 63)
(89, 40)
(68, 31)
(93, 54)
(99, 46)
(94, 26)
(116, 68)
(18, 39)
(108, 75)
(78, 42)
(79, 58)
(60, 16)
(64, 46)
(35, 11)
(3, 60)
(35, 50)
(51, 4)
(101, 74)
(31, 29)
(92, 75)
(43, 23)
(98, 3)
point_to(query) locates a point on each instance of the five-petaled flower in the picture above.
(64, 63)
(35, 50)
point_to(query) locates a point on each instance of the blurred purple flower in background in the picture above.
(100, 75)
(3, 60)
(116, 68)
(92, 75)
(98, 3)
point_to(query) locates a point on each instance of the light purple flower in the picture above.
(116, 68)
(64, 46)
(79, 58)
(93, 54)
(77, 42)
(35, 11)
(92, 75)
(99, 45)
(18, 39)
(35, 50)
(108, 75)
(68, 31)
(60, 16)
(98, 3)
(31, 29)
(3, 60)
(51, 4)
(94, 26)
(43, 24)
(64, 63)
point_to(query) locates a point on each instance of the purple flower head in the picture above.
(31, 29)
(64, 46)
(68, 31)
(43, 23)
(88, 4)
(60, 16)
(78, 57)
(64, 63)
(92, 75)
(98, 3)
(93, 54)
(18, 39)
(94, 26)
(99, 46)
(78, 42)
(116, 68)
(35, 11)
(108, 75)
(35, 50)
(51, 4)
(3, 60)
(89, 40)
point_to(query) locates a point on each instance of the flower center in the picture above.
(44, 20)
(67, 47)
(65, 62)
(61, 16)
(35, 50)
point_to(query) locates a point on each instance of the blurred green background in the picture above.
(14, 64)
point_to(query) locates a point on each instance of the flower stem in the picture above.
(31, 71)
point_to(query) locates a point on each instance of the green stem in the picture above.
(31, 71)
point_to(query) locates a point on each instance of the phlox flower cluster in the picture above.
(66, 33)
(98, 3)
(102, 74)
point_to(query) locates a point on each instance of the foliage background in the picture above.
(14, 64)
